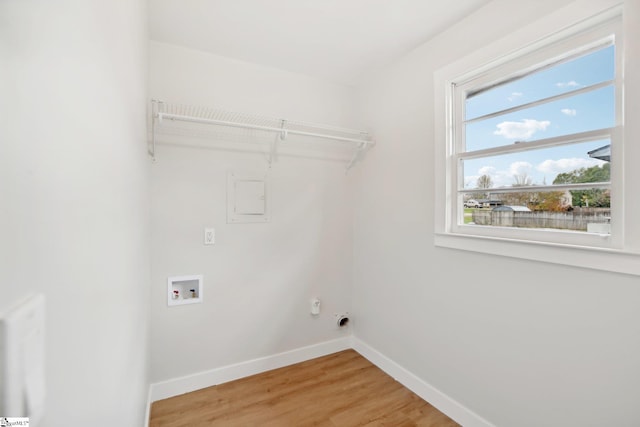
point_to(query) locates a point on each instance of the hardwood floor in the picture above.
(341, 389)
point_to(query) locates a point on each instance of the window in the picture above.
(530, 150)
(532, 142)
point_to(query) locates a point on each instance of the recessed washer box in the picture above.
(184, 290)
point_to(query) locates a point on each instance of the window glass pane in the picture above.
(583, 210)
(550, 210)
(580, 113)
(584, 71)
(573, 163)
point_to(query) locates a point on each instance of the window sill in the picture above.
(611, 260)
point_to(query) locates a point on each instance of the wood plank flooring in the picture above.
(342, 389)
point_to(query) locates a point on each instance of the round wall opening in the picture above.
(343, 320)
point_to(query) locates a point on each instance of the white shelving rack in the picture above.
(268, 135)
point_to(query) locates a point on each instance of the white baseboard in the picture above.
(186, 384)
(445, 404)
(147, 413)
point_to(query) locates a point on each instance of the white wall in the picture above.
(74, 198)
(520, 343)
(258, 278)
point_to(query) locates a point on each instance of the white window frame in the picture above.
(558, 34)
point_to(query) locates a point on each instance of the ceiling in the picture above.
(336, 40)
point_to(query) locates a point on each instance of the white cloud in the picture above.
(571, 83)
(506, 176)
(521, 130)
(520, 168)
(569, 111)
(554, 167)
(500, 177)
(514, 96)
(471, 181)
(486, 170)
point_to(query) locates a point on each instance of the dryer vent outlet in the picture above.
(342, 320)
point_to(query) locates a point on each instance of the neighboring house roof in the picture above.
(602, 153)
(512, 209)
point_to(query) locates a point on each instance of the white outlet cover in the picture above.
(209, 236)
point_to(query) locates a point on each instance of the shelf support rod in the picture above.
(265, 128)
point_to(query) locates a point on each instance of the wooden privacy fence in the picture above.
(559, 220)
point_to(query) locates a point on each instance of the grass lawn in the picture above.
(467, 215)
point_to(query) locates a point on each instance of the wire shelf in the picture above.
(263, 133)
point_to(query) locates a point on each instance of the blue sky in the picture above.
(589, 111)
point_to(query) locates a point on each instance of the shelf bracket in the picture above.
(273, 152)
(356, 155)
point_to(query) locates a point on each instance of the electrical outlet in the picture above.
(209, 236)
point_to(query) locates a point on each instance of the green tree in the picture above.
(549, 201)
(595, 198)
